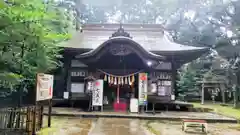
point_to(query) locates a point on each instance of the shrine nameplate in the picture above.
(78, 73)
(161, 75)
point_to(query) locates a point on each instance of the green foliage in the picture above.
(187, 81)
(29, 33)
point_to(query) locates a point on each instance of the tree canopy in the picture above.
(29, 34)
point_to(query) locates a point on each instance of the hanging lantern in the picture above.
(105, 78)
(122, 80)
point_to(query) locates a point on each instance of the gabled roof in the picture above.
(151, 37)
(137, 48)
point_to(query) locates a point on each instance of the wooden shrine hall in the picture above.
(137, 61)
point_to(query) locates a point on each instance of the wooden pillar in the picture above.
(173, 79)
(174, 83)
(222, 89)
(235, 95)
(202, 99)
(67, 65)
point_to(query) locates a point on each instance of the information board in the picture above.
(44, 88)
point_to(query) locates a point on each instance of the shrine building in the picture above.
(123, 55)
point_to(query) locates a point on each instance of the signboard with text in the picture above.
(44, 90)
(142, 88)
(97, 93)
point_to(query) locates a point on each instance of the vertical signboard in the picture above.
(97, 93)
(44, 90)
(142, 88)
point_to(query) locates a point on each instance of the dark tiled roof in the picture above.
(150, 36)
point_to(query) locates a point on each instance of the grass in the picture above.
(217, 108)
(68, 125)
(55, 125)
(151, 129)
(223, 110)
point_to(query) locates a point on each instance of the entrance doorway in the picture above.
(111, 94)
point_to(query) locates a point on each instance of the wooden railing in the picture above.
(21, 120)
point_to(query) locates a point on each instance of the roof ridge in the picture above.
(125, 26)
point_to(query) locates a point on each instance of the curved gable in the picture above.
(126, 42)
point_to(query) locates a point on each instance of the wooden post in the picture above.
(29, 121)
(235, 96)
(35, 109)
(202, 100)
(34, 119)
(41, 116)
(222, 88)
(174, 84)
(49, 112)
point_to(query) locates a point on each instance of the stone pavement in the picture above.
(210, 117)
(114, 126)
(100, 126)
(123, 126)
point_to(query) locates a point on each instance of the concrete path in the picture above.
(170, 115)
(114, 126)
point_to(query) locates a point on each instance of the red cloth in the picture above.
(120, 107)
